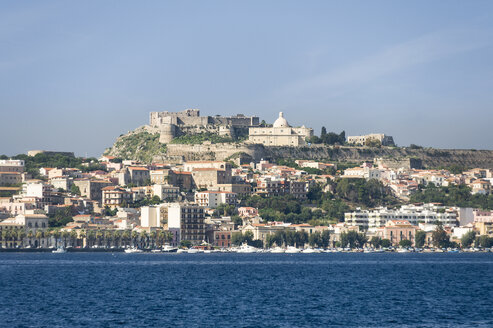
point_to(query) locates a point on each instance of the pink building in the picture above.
(397, 230)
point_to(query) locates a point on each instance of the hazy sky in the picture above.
(76, 75)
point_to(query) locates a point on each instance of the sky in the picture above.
(76, 75)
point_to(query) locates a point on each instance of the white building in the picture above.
(213, 199)
(280, 134)
(427, 213)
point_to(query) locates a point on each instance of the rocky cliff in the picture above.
(143, 144)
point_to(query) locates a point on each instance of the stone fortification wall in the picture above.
(426, 158)
(191, 117)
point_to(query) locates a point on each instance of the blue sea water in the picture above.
(246, 290)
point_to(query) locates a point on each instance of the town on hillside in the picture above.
(55, 200)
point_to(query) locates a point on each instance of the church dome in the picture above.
(281, 121)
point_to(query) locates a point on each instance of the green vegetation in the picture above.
(318, 239)
(468, 239)
(146, 201)
(288, 238)
(440, 237)
(420, 238)
(330, 138)
(141, 146)
(239, 238)
(352, 239)
(61, 217)
(484, 241)
(405, 243)
(192, 139)
(34, 163)
(455, 195)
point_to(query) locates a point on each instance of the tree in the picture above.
(75, 190)
(405, 243)
(352, 239)
(484, 241)
(186, 243)
(315, 239)
(385, 243)
(468, 239)
(376, 241)
(323, 132)
(371, 142)
(440, 237)
(420, 238)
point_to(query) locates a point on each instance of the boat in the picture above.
(292, 250)
(133, 250)
(169, 249)
(246, 249)
(277, 250)
(402, 250)
(181, 250)
(156, 251)
(310, 251)
(192, 251)
(59, 250)
(207, 251)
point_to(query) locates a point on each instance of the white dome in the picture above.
(281, 122)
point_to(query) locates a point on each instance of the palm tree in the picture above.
(153, 236)
(5, 236)
(30, 235)
(65, 235)
(126, 237)
(82, 236)
(135, 235)
(99, 236)
(73, 237)
(39, 235)
(21, 234)
(143, 239)
(56, 234)
(91, 236)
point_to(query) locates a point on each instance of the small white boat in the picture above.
(59, 250)
(247, 249)
(277, 250)
(181, 250)
(292, 250)
(192, 251)
(133, 250)
(207, 251)
(310, 251)
(156, 251)
(402, 250)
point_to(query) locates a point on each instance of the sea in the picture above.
(246, 290)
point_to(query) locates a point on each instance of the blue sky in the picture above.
(75, 75)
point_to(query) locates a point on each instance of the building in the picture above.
(209, 178)
(151, 216)
(114, 196)
(166, 192)
(10, 178)
(172, 124)
(186, 221)
(91, 189)
(280, 134)
(427, 213)
(139, 176)
(397, 230)
(11, 165)
(361, 140)
(213, 199)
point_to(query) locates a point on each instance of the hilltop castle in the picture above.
(174, 124)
